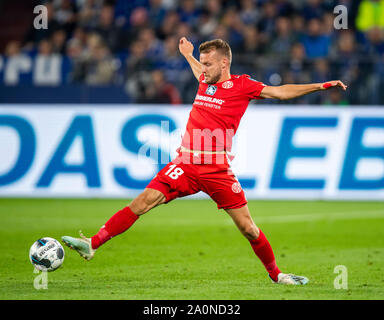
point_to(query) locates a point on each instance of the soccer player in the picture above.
(202, 162)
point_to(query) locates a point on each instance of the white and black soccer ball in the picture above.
(46, 254)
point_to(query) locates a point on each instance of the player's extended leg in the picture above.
(118, 223)
(261, 246)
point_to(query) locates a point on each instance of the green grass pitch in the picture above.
(189, 250)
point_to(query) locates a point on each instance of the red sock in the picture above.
(263, 250)
(118, 223)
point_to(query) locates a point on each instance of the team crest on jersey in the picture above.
(236, 187)
(211, 90)
(227, 85)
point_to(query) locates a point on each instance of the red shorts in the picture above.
(182, 178)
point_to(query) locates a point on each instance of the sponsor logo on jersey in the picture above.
(227, 85)
(236, 187)
(211, 90)
(209, 99)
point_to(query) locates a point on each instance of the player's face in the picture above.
(212, 63)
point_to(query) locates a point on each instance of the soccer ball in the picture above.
(46, 254)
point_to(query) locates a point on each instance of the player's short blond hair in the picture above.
(219, 45)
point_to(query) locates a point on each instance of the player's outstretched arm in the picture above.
(291, 91)
(186, 49)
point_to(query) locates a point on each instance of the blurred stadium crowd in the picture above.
(134, 44)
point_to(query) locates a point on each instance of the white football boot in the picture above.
(290, 279)
(82, 245)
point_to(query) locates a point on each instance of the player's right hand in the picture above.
(331, 84)
(185, 47)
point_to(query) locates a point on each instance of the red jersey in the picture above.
(217, 111)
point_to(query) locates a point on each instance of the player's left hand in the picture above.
(331, 84)
(185, 47)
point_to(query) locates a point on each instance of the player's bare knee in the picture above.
(148, 199)
(140, 205)
(250, 231)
